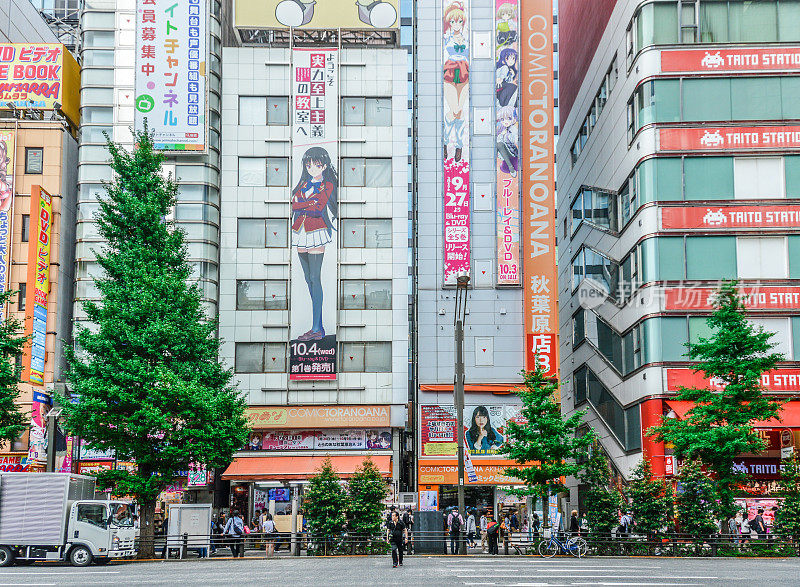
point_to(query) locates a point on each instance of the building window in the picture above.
(252, 110)
(252, 171)
(578, 327)
(366, 294)
(34, 160)
(22, 296)
(371, 233)
(366, 111)
(277, 110)
(26, 228)
(366, 172)
(595, 206)
(277, 171)
(260, 357)
(258, 233)
(269, 294)
(366, 357)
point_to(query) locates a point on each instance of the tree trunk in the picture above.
(545, 509)
(147, 512)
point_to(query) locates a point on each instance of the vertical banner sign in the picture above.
(315, 211)
(538, 186)
(7, 146)
(38, 281)
(170, 82)
(456, 140)
(507, 133)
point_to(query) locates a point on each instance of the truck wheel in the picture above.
(6, 556)
(80, 556)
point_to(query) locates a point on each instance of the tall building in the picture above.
(63, 18)
(678, 168)
(484, 207)
(314, 280)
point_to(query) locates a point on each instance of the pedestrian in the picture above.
(574, 524)
(746, 530)
(455, 523)
(535, 525)
(396, 534)
(408, 520)
(625, 524)
(389, 515)
(584, 525)
(733, 530)
(492, 531)
(234, 530)
(270, 534)
(758, 525)
(471, 529)
(484, 541)
(514, 521)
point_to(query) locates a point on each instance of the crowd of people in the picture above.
(232, 531)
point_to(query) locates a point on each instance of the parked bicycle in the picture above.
(576, 546)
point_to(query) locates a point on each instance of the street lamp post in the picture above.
(462, 283)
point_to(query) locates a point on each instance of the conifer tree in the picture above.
(787, 521)
(366, 490)
(12, 422)
(545, 442)
(325, 505)
(147, 376)
(695, 501)
(718, 427)
(603, 501)
(651, 500)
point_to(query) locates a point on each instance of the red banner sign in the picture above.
(755, 298)
(720, 217)
(755, 59)
(777, 380)
(731, 137)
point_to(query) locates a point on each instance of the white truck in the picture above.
(54, 517)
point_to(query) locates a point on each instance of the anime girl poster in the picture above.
(314, 215)
(7, 145)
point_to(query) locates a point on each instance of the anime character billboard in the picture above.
(314, 215)
(7, 146)
(455, 138)
(317, 14)
(507, 141)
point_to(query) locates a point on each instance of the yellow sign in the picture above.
(313, 14)
(38, 281)
(44, 76)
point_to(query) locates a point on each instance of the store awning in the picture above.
(289, 468)
(788, 417)
(497, 388)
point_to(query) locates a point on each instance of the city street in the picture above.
(420, 570)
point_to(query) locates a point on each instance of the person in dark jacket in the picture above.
(574, 524)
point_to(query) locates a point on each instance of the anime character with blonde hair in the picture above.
(456, 78)
(506, 24)
(375, 13)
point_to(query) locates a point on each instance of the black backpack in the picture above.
(455, 524)
(406, 519)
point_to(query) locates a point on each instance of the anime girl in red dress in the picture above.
(314, 213)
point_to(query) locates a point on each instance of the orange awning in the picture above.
(298, 468)
(486, 387)
(788, 417)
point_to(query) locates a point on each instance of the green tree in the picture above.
(718, 427)
(695, 501)
(147, 375)
(366, 490)
(603, 501)
(12, 422)
(651, 500)
(545, 443)
(325, 505)
(788, 518)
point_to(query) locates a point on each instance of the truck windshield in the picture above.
(121, 514)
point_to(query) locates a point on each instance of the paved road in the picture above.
(420, 570)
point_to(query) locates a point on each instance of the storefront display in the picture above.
(484, 429)
(335, 439)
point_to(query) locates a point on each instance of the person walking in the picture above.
(234, 530)
(471, 529)
(484, 541)
(535, 525)
(733, 530)
(270, 534)
(454, 524)
(574, 524)
(492, 530)
(758, 525)
(408, 520)
(396, 534)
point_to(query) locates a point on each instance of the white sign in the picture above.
(171, 70)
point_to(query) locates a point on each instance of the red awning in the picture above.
(789, 416)
(298, 468)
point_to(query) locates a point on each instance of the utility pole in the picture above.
(462, 283)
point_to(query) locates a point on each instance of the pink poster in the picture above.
(455, 138)
(287, 440)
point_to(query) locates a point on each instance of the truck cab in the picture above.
(99, 531)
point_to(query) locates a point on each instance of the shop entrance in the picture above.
(480, 497)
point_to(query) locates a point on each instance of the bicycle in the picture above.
(576, 546)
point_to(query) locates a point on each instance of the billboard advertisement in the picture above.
(538, 188)
(484, 429)
(756, 297)
(284, 417)
(775, 380)
(7, 162)
(455, 136)
(727, 138)
(721, 217)
(44, 76)
(315, 211)
(337, 439)
(310, 14)
(739, 59)
(171, 62)
(506, 108)
(38, 281)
